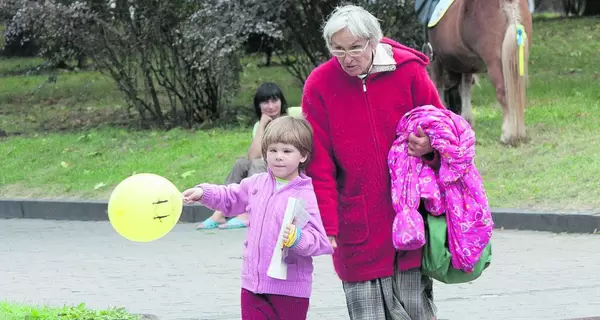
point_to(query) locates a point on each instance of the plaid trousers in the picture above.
(408, 295)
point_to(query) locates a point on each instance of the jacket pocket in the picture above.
(295, 270)
(353, 222)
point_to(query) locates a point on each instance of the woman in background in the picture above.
(269, 104)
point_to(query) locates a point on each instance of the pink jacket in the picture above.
(456, 189)
(266, 208)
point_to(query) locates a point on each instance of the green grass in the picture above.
(75, 100)
(558, 169)
(2, 28)
(254, 75)
(10, 66)
(91, 163)
(10, 311)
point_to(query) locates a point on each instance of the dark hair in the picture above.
(266, 92)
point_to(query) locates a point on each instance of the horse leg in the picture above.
(437, 75)
(453, 98)
(531, 5)
(466, 84)
(497, 80)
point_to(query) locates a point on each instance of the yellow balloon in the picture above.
(144, 207)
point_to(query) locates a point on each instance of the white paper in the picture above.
(295, 209)
(302, 217)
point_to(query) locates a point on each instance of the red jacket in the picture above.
(354, 128)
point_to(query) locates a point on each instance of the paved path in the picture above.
(195, 275)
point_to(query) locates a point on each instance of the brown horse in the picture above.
(475, 36)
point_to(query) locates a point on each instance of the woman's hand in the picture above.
(264, 120)
(419, 144)
(332, 242)
(192, 195)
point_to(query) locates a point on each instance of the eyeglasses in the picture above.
(352, 53)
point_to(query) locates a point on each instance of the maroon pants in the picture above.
(273, 307)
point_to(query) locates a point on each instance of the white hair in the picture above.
(360, 23)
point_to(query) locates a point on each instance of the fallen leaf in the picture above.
(95, 153)
(187, 173)
(99, 185)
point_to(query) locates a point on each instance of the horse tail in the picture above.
(515, 55)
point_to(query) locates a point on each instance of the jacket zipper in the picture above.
(258, 244)
(364, 84)
(261, 228)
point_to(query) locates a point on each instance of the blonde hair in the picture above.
(289, 130)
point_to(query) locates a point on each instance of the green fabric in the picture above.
(295, 112)
(255, 129)
(437, 262)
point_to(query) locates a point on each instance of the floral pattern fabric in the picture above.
(456, 189)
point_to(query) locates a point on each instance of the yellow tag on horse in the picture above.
(521, 38)
(439, 12)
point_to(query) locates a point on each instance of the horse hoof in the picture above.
(513, 141)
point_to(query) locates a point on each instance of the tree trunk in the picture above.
(268, 55)
(81, 61)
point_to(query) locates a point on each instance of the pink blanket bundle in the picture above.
(456, 190)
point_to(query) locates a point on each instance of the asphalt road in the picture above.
(195, 275)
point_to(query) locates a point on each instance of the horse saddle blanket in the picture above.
(430, 12)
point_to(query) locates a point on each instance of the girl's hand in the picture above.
(192, 195)
(290, 234)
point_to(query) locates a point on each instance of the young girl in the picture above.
(269, 104)
(286, 146)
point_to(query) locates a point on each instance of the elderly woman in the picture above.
(354, 102)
